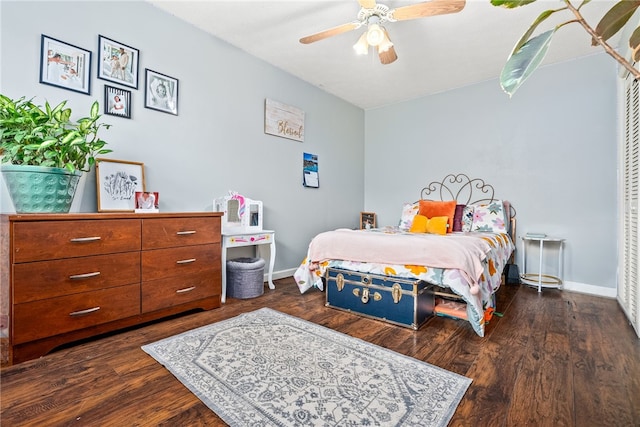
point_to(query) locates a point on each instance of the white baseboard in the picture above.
(281, 274)
(583, 288)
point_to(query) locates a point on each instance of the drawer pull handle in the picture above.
(182, 233)
(82, 312)
(85, 239)
(84, 275)
(189, 289)
(186, 261)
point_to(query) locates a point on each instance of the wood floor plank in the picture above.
(545, 376)
(603, 353)
(496, 368)
(555, 358)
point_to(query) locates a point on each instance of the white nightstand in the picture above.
(258, 239)
(540, 279)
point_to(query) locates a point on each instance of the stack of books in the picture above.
(536, 235)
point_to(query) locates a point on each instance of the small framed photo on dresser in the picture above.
(367, 220)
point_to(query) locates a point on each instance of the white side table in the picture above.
(539, 279)
(257, 239)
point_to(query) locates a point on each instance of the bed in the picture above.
(462, 260)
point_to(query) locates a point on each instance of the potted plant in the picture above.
(44, 153)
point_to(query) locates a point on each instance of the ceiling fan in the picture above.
(374, 15)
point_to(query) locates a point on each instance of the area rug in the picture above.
(267, 368)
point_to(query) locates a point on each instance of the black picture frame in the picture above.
(111, 55)
(65, 65)
(155, 84)
(117, 102)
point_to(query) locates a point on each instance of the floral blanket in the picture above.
(476, 286)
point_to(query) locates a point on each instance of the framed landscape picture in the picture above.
(118, 62)
(65, 65)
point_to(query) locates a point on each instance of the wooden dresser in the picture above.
(64, 277)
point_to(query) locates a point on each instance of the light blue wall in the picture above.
(550, 150)
(217, 143)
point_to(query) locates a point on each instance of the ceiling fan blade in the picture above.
(367, 4)
(330, 32)
(388, 56)
(429, 8)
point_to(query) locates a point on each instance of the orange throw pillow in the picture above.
(419, 224)
(435, 225)
(433, 208)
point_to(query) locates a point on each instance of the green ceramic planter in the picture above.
(37, 189)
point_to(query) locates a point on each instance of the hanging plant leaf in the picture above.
(615, 19)
(511, 4)
(524, 62)
(525, 37)
(634, 44)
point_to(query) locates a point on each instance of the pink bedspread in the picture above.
(461, 251)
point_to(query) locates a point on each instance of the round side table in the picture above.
(540, 279)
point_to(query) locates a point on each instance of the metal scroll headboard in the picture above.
(461, 188)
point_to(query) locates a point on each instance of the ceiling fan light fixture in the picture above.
(362, 47)
(375, 35)
(385, 44)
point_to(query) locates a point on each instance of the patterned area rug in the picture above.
(266, 368)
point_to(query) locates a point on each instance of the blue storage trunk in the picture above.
(404, 302)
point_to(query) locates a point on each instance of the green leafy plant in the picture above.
(529, 51)
(30, 135)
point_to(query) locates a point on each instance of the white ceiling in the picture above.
(435, 54)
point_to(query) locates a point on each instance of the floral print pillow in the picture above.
(467, 218)
(489, 217)
(409, 211)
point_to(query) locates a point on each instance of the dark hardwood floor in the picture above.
(554, 359)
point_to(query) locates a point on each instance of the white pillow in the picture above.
(409, 211)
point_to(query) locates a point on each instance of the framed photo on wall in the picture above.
(118, 62)
(161, 92)
(117, 182)
(65, 65)
(117, 102)
(367, 220)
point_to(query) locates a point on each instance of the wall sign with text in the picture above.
(283, 120)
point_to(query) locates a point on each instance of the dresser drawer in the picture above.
(172, 232)
(47, 279)
(37, 241)
(157, 294)
(161, 263)
(45, 318)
